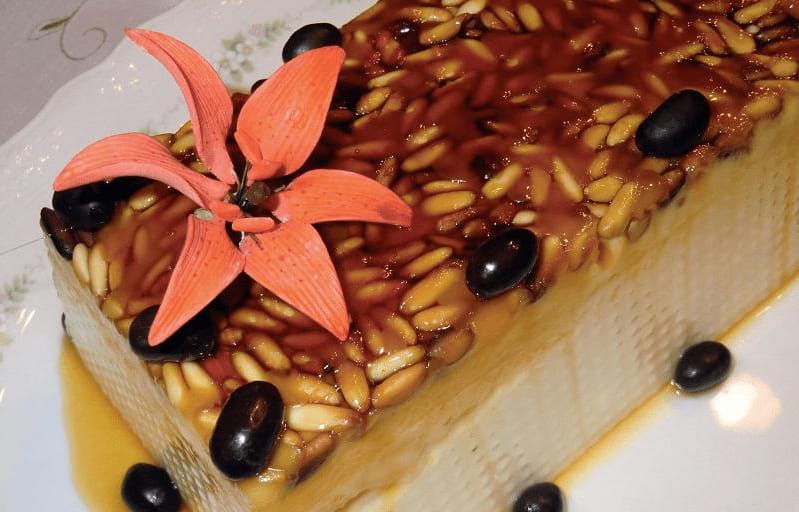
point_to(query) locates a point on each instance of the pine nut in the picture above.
(98, 270)
(448, 202)
(438, 318)
(255, 319)
(530, 17)
(426, 156)
(426, 262)
(427, 291)
(320, 418)
(623, 129)
(268, 351)
(739, 41)
(399, 386)
(611, 112)
(500, 183)
(563, 177)
(452, 346)
(604, 189)
(80, 262)
(352, 382)
(388, 364)
(619, 212)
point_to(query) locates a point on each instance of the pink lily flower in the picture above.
(277, 129)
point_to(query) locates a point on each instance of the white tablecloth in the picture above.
(45, 43)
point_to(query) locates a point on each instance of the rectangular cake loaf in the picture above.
(526, 381)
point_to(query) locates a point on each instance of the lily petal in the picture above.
(253, 224)
(226, 211)
(248, 145)
(286, 114)
(137, 154)
(263, 170)
(324, 195)
(293, 263)
(208, 263)
(206, 96)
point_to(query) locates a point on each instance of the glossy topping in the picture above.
(87, 208)
(62, 235)
(675, 127)
(309, 37)
(148, 488)
(502, 262)
(196, 339)
(247, 430)
(702, 366)
(541, 497)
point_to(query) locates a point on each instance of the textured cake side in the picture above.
(125, 380)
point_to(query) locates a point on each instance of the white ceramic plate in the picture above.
(735, 449)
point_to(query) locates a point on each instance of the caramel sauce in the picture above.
(102, 447)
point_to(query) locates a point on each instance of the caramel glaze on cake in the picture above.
(482, 115)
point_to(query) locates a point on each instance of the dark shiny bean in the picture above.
(256, 85)
(195, 340)
(247, 429)
(702, 366)
(309, 37)
(502, 262)
(148, 488)
(541, 497)
(406, 34)
(62, 235)
(87, 208)
(121, 189)
(676, 126)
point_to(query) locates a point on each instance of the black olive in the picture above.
(702, 366)
(541, 497)
(502, 262)
(148, 488)
(676, 126)
(87, 208)
(247, 429)
(406, 33)
(256, 85)
(309, 37)
(122, 188)
(62, 235)
(195, 340)
(64, 322)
